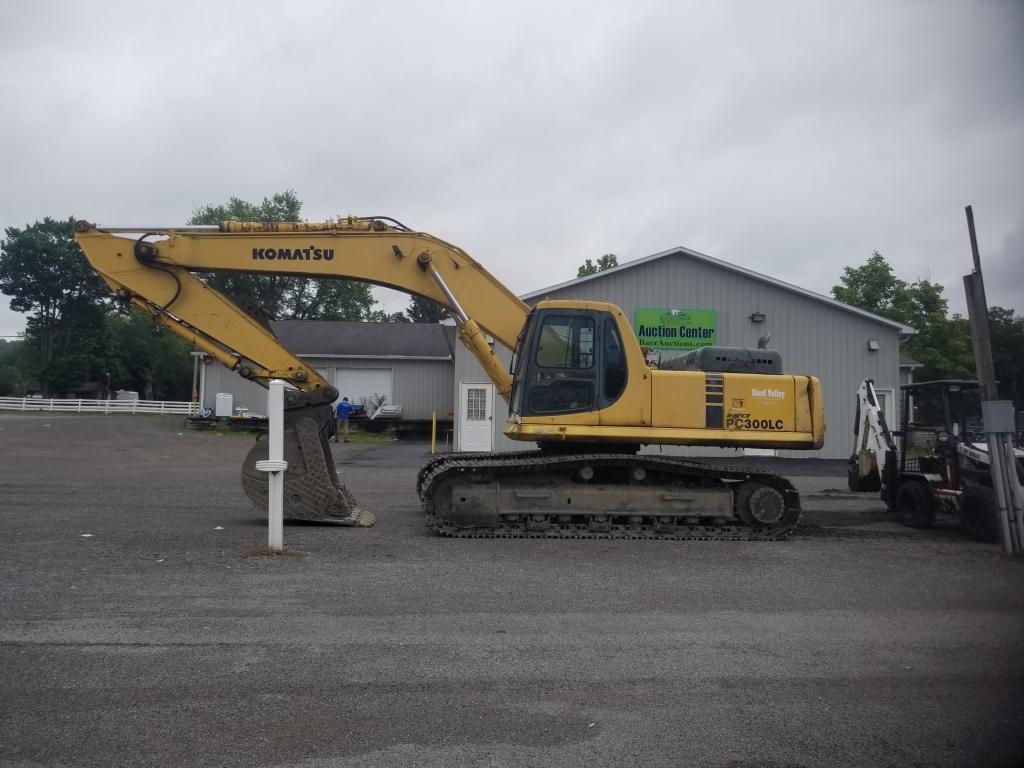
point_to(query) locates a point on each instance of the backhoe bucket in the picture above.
(312, 490)
(862, 472)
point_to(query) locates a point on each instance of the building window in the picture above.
(476, 404)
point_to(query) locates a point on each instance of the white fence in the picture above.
(97, 406)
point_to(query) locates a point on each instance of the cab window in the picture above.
(566, 342)
(614, 361)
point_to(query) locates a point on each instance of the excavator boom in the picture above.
(154, 271)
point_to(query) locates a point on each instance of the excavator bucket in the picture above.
(312, 489)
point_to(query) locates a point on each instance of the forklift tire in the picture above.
(915, 504)
(979, 515)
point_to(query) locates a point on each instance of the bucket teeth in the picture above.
(312, 489)
(364, 519)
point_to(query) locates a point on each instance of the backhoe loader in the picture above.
(580, 388)
(940, 467)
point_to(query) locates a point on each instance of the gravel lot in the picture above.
(142, 626)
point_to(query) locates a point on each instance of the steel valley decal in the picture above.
(660, 328)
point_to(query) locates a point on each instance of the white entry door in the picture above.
(476, 417)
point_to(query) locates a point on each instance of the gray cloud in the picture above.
(792, 138)
(1004, 271)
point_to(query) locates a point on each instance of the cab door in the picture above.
(562, 372)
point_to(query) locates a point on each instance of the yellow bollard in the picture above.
(433, 432)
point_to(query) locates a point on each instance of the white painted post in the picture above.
(275, 465)
(202, 384)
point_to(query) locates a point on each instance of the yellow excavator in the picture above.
(580, 387)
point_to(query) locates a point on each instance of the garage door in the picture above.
(359, 383)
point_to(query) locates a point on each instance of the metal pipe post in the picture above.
(275, 465)
(1016, 500)
(1011, 545)
(998, 421)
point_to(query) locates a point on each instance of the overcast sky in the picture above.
(790, 138)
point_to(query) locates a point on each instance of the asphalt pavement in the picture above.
(143, 624)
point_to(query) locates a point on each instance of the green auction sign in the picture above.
(659, 328)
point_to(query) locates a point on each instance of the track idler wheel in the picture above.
(758, 504)
(312, 490)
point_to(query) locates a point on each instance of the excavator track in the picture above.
(431, 467)
(606, 496)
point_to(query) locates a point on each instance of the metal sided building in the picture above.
(409, 364)
(705, 301)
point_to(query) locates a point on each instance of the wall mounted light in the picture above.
(757, 317)
(873, 345)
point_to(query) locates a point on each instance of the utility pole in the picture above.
(997, 414)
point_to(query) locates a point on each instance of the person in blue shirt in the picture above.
(342, 412)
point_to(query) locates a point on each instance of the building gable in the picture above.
(567, 289)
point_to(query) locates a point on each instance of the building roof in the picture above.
(337, 338)
(908, 362)
(681, 251)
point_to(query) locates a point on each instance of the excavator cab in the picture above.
(570, 360)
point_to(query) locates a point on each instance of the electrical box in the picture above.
(997, 415)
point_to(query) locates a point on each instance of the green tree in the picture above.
(873, 286)
(46, 275)
(941, 344)
(382, 316)
(15, 364)
(1007, 334)
(147, 358)
(421, 310)
(281, 296)
(588, 267)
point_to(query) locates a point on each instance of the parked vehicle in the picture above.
(940, 465)
(580, 389)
